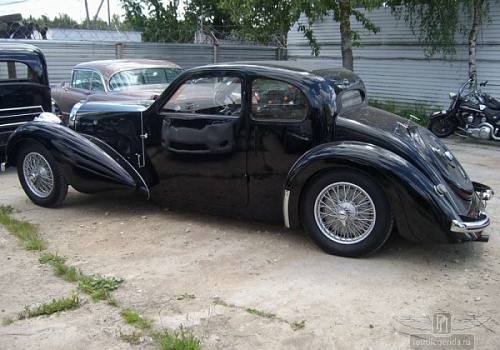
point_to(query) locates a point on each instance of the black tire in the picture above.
(345, 230)
(40, 176)
(442, 126)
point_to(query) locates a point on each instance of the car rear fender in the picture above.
(87, 163)
(418, 209)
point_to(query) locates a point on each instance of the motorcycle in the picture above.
(475, 115)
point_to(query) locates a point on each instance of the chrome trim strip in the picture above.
(469, 227)
(286, 217)
(20, 108)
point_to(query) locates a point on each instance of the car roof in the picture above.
(338, 77)
(109, 67)
(8, 48)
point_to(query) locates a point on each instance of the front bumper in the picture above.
(468, 228)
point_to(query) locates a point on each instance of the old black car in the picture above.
(24, 87)
(294, 141)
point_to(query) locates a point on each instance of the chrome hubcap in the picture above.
(345, 213)
(38, 174)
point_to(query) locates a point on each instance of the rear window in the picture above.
(15, 71)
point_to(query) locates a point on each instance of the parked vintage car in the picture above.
(115, 80)
(270, 140)
(24, 87)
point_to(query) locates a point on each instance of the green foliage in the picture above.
(157, 21)
(418, 110)
(56, 305)
(27, 233)
(98, 287)
(133, 318)
(181, 339)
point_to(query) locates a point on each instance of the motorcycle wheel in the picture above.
(442, 127)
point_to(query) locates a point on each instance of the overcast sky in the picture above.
(51, 8)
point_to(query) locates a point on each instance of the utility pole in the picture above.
(88, 16)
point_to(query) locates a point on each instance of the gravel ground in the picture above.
(177, 264)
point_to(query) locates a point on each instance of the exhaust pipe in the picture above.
(483, 238)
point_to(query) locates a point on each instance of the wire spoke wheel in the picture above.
(345, 213)
(38, 174)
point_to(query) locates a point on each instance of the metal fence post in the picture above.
(119, 50)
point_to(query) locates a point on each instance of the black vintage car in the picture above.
(294, 141)
(24, 87)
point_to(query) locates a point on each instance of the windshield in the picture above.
(143, 76)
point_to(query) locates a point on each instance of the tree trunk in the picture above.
(476, 22)
(345, 34)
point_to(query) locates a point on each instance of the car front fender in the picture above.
(419, 211)
(87, 163)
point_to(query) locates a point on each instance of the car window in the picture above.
(82, 79)
(208, 95)
(96, 83)
(274, 99)
(144, 76)
(15, 71)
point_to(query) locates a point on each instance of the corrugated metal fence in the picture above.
(62, 56)
(393, 65)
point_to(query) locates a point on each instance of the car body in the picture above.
(293, 140)
(24, 87)
(114, 80)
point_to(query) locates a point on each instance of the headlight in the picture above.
(452, 95)
(72, 114)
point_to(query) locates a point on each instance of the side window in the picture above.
(82, 79)
(274, 99)
(96, 84)
(207, 95)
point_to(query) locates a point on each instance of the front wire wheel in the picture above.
(40, 176)
(346, 213)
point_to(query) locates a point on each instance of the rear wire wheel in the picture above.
(346, 213)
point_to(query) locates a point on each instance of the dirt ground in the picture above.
(175, 264)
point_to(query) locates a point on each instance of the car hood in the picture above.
(414, 143)
(144, 91)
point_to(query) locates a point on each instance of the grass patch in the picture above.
(7, 320)
(260, 313)
(51, 259)
(181, 339)
(134, 338)
(418, 110)
(133, 318)
(186, 296)
(98, 287)
(24, 231)
(298, 325)
(56, 305)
